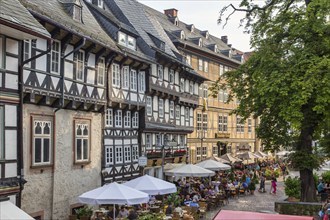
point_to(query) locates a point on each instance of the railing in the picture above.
(170, 151)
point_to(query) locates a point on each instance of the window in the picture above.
(199, 121)
(239, 124)
(182, 85)
(55, 57)
(127, 119)
(199, 151)
(223, 95)
(200, 42)
(42, 142)
(118, 118)
(182, 140)
(2, 51)
(108, 155)
(205, 91)
(158, 140)
(200, 64)
(161, 108)
(249, 125)
(187, 116)
(204, 150)
(82, 137)
(191, 87)
(160, 73)
(28, 45)
(223, 123)
(177, 112)
(206, 66)
(80, 65)
(127, 153)
(149, 106)
(115, 75)
(182, 35)
(148, 141)
(135, 120)
(109, 118)
(125, 77)
(133, 80)
(188, 59)
(171, 109)
(135, 152)
(126, 40)
(100, 3)
(221, 70)
(205, 121)
(2, 132)
(215, 150)
(100, 72)
(119, 154)
(142, 82)
(171, 77)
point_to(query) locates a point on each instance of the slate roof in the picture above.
(55, 11)
(191, 37)
(14, 12)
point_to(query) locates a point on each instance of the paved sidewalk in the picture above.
(259, 202)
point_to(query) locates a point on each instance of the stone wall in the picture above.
(53, 189)
(298, 208)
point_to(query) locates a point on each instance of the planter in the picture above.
(297, 208)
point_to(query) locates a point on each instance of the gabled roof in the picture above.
(54, 11)
(13, 12)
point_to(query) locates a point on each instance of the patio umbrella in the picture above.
(151, 185)
(246, 156)
(190, 170)
(230, 158)
(219, 159)
(213, 165)
(261, 154)
(282, 153)
(114, 193)
(170, 166)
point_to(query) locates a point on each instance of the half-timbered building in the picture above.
(171, 89)
(16, 24)
(216, 130)
(64, 89)
(126, 98)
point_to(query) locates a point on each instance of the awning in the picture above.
(238, 215)
(9, 211)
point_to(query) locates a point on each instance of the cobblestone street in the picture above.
(259, 202)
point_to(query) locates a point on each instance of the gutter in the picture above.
(20, 161)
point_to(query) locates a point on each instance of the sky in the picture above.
(204, 15)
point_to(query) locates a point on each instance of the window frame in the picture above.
(206, 66)
(191, 87)
(249, 125)
(127, 119)
(161, 108)
(135, 152)
(53, 54)
(171, 109)
(148, 143)
(109, 156)
(135, 120)
(127, 153)
(119, 157)
(177, 110)
(222, 123)
(200, 64)
(204, 122)
(182, 84)
(80, 122)
(118, 118)
(171, 76)
(188, 59)
(160, 72)
(142, 81)
(108, 117)
(126, 77)
(115, 72)
(199, 121)
(50, 136)
(80, 65)
(101, 72)
(133, 80)
(149, 105)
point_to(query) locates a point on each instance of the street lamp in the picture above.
(163, 148)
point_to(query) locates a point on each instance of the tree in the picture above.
(286, 81)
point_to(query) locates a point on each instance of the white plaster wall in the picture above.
(54, 192)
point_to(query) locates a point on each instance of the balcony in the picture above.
(173, 154)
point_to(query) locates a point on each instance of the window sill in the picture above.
(41, 166)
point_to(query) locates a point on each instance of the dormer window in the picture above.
(176, 21)
(77, 13)
(182, 35)
(192, 28)
(100, 3)
(160, 73)
(200, 42)
(126, 40)
(207, 35)
(215, 48)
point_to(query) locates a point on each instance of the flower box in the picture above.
(154, 154)
(179, 153)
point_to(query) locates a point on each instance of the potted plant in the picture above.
(154, 154)
(292, 188)
(84, 213)
(252, 187)
(179, 153)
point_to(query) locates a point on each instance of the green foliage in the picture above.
(326, 176)
(316, 179)
(151, 216)
(292, 187)
(84, 211)
(252, 185)
(285, 82)
(174, 199)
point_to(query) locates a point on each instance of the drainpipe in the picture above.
(62, 72)
(20, 161)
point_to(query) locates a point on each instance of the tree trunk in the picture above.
(308, 190)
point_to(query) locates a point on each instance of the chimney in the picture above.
(224, 39)
(171, 12)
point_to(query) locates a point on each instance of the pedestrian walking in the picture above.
(274, 185)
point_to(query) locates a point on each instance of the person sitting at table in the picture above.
(197, 196)
(169, 210)
(132, 215)
(194, 203)
(123, 212)
(110, 213)
(320, 187)
(187, 200)
(179, 210)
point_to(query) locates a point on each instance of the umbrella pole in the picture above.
(114, 212)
